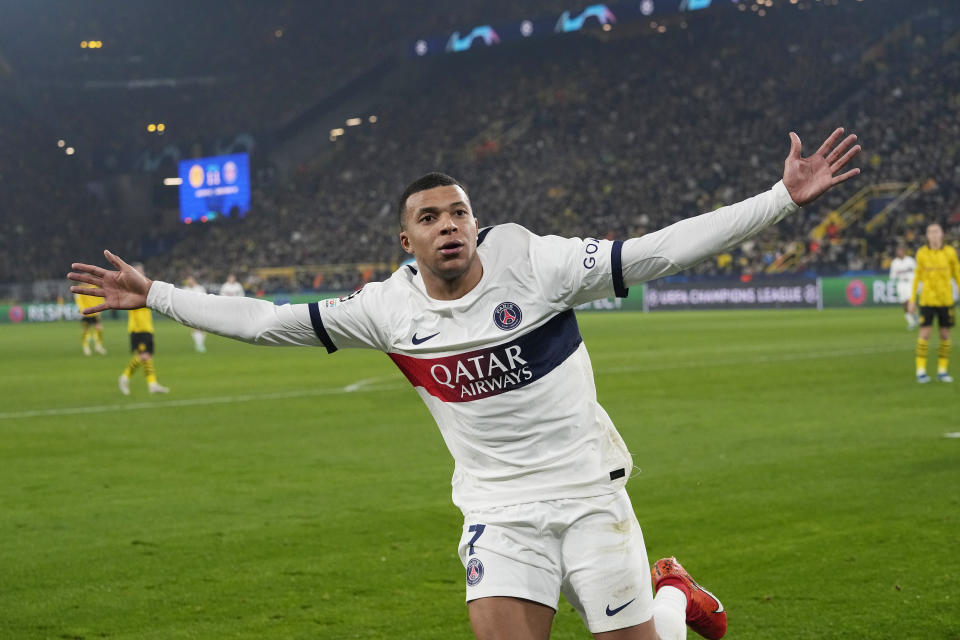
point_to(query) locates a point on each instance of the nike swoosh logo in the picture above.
(416, 340)
(613, 612)
(715, 599)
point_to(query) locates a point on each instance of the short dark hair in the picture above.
(424, 182)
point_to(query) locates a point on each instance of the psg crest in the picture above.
(507, 316)
(474, 572)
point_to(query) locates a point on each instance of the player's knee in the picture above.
(145, 356)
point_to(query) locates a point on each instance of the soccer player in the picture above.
(902, 269)
(199, 337)
(140, 327)
(483, 328)
(936, 266)
(91, 325)
(231, 287)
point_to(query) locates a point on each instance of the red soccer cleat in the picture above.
(705, 613)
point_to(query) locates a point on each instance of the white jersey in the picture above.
(902, 270)
(503, 369)
(232, 289)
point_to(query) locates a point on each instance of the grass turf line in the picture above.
(788, 459)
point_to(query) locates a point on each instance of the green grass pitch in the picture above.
(788, 459)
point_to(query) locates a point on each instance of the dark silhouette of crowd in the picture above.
(609, 134)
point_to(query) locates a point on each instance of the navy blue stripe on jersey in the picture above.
(474, 375)
(412, 268)
(483, 234)
(318, 327)
(616, 267)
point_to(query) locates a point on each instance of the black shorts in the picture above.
(141, 342)
(945, 316)
(91, 320)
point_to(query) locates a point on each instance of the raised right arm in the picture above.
(247, 319)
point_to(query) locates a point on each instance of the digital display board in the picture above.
(214, 187)
(778, 293)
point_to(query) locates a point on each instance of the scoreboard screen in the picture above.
(214, 187)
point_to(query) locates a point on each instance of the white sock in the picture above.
(198, 338)
(670, 614)
(910, 319)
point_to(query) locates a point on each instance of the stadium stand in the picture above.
(603, 134)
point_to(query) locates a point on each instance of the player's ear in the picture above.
(405, 242)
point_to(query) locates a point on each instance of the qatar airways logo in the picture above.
(484, 373)
(474, 375)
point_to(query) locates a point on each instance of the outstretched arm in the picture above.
(246, 319)
(690, 241)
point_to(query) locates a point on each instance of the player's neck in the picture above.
(452, 289)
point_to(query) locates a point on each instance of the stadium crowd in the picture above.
(613, 136)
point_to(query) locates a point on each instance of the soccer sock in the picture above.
(923, 347)
(670, 613)
(132, 366)
(84, 337)
(198, 337)
(98, 336)
(150, 371)
(943, 356)
(910, 320)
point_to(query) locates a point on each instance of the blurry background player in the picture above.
(140, 327)
(231, 287)
(199, 337)
(902, 269)
(936, 266)
(92, 326)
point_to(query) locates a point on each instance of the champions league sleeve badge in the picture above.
(474, 572)
(507, 316)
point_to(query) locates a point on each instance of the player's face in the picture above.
(901, 252)
(935, 236)
(441, 232)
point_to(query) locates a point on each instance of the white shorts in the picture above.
(590, 549)
(904, 289)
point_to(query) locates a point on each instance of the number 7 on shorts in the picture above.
(477, 531)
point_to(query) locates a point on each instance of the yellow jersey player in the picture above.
(91, 324)
(936, 265)
(140, 327)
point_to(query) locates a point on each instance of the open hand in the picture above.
(806, 179)
(125, 288)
